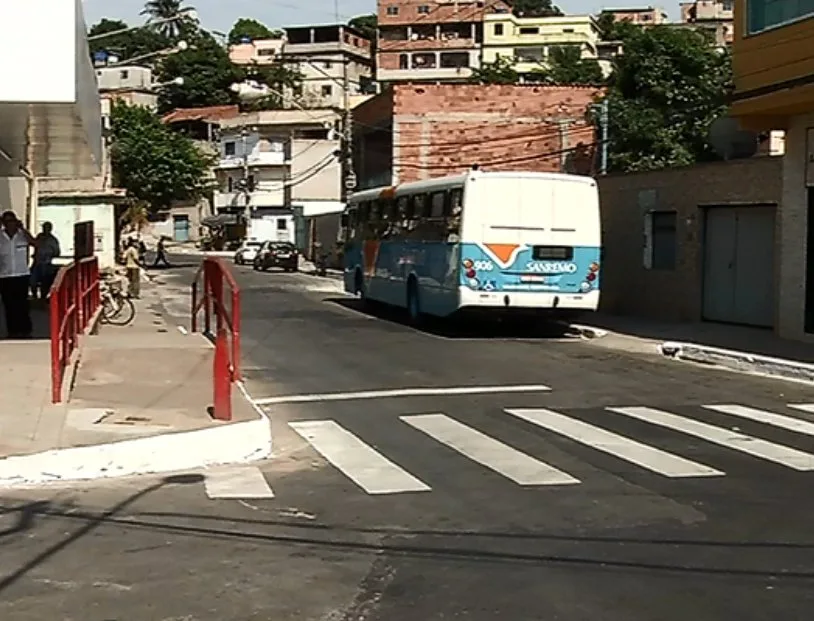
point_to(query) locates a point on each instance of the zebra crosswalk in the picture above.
(374, 473)
(370, 469)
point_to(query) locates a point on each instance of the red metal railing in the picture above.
(212, 300)
(73, 300)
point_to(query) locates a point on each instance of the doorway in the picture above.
(738, 270)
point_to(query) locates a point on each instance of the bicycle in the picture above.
(117, 308)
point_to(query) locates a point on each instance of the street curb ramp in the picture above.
(188, 450)
(740, 361)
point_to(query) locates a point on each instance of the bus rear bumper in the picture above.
(527, 301)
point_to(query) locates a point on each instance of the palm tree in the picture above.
(158, 10)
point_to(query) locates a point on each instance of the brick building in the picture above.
(431, 39)
(420, 131)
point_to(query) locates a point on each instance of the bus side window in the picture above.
(385, 229)
(400, 216)
(437, 204)
(365, 218)
(453, 219)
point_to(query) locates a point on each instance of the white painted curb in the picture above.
(740, 361)
(231, 443)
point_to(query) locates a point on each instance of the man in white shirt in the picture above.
(14, 275)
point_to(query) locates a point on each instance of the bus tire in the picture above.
(413, 302)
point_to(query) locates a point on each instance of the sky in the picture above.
(221, 14)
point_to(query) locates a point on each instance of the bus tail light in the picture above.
(591, 276)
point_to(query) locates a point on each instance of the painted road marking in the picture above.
(370, 470)
(770, 418)
(648, 457)
(401, 392)
(803, 407)
(511, 463)
(237, 483)
(783, 455)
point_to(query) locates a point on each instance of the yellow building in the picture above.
(773, 63)
(528, 40)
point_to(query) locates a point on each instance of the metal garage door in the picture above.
(739, 265)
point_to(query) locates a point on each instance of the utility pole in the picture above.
(604, 121)
(247, 213)
(348, 174)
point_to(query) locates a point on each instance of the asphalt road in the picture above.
(501, 487)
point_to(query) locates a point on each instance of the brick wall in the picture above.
(444, 129)
(439, 11)
(627, 286)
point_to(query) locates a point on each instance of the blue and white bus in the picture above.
(516, 241)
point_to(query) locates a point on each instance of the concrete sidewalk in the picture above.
(745, 349)
(140, 404)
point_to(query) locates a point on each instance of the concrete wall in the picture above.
(316, 173)
(13, 192)
(793, 240)
(64, 215)
(628, 287)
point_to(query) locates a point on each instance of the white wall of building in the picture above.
(64, 216)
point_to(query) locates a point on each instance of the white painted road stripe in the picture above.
(503, 459)
(238, 483)
(803, 407)
(756, 447)
(770, 418)
(363, 465)
(642, 455)
(401, 392)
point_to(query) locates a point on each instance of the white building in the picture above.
(48, 127)
(322, 55)
(289, 159)
(134, 85)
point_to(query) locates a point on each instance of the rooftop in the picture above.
(210, 114)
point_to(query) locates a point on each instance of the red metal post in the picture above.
(208, 301)
(193, 324)
(236, 375)
(222, 398)
(56, 346)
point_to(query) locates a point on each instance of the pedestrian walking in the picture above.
(43, 270)
(15, 275)
(133, 265)
(161, 254)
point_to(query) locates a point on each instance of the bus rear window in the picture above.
(552, 253)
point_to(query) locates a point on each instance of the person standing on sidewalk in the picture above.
(133, 265)
(43, 271)
(15, 275)
(161, 254)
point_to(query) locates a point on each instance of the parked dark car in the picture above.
(277, 254)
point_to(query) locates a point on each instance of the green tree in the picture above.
(137, 42)
(368, 25)
(612, 30)
(665, 91)
(501, 71)
(252, 29)
(155, 165)
(207, 71)
(158, 10)
(566, 66)
(534, 8)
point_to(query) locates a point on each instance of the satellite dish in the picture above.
(730, 141)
